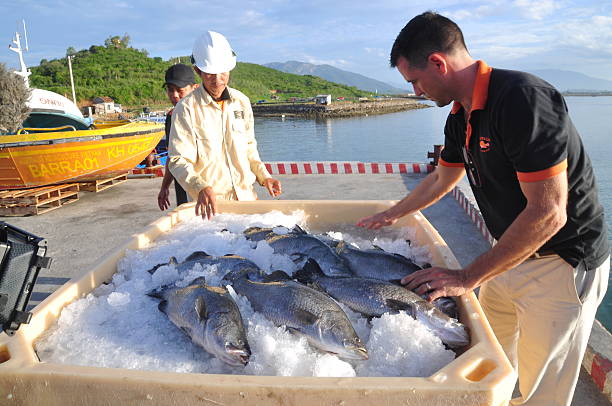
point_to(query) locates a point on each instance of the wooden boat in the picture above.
(56, 144)
(53, 156)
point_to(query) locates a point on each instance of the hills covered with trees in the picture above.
(132, 78)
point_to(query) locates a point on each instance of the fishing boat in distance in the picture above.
(56, 144)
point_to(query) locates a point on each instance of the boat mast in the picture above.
(69, 57)
(24, 72)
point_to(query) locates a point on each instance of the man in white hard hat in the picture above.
(212, 151)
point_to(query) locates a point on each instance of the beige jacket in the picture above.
(210, 146)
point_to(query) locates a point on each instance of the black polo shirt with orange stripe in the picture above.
(519, 130)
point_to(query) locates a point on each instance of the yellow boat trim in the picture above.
(119, 128)
(31, 151)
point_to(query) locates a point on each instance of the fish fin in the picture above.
(377, 247)
(277, 276)
(398, 305)
(156, 293)
(200, 280)
(172, 261)
(250, 229)
(294, 330)
(196, 255)
(298, 230)
(297, 257)
(156, 267)
(340, 247)
(305, 316)
(163, 306)
(309, 272)
(200, 308)
(160, 292)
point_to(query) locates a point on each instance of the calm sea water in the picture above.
(407, 136)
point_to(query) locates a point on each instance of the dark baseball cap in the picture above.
(179, 75)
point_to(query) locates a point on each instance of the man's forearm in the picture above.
(167, 181)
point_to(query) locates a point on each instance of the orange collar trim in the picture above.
(481, 88)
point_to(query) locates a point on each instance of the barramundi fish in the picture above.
(302, 310)
(301, 246)
(225, 263)
(373, 298)
(376, 263)
(261, 233)
(209, 316)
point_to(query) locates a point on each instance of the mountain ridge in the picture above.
(571, 81)
(563, 80)
(337, 75)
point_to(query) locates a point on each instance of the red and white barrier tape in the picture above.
(473, 213)
(345, 168)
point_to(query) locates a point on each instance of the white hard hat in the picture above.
(213, 54)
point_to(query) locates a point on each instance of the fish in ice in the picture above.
(373, 298)
(209, 316)
(373, 263)
(225, 263)
(301, 246)
(302, 310)
(377, 263)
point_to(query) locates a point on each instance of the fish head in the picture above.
(331, 263)
(223, 335)
(237, 353)
(355, 349)
(338, 336)
(245, 273)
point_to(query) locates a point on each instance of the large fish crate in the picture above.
(481, 375)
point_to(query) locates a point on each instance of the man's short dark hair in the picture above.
(423, 35)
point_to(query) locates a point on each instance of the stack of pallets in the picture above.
(36, 201)
(102, 184)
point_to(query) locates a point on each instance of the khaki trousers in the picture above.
(543, 321)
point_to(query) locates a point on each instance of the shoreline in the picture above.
(337, 109)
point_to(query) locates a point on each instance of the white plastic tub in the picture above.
(481, 375)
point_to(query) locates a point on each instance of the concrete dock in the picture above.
(82, 232)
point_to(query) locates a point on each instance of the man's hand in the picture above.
(376, 221)
(437, 282)
(273, 186)
(206, 204)
(163, 198)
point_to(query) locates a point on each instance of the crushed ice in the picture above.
(119, 326)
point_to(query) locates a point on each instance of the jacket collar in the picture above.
(226, 95)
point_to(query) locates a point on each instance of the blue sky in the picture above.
(353, 35)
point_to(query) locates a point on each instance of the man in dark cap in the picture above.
(180, 81)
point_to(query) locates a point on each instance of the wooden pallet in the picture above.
(36, 201)
(102, 184)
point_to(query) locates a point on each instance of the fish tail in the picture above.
(309, 273)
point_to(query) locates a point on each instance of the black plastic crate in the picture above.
(22, 256)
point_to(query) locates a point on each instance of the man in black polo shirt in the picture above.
(180, 81)
(534, 184)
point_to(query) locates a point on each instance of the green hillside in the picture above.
(131, 78)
